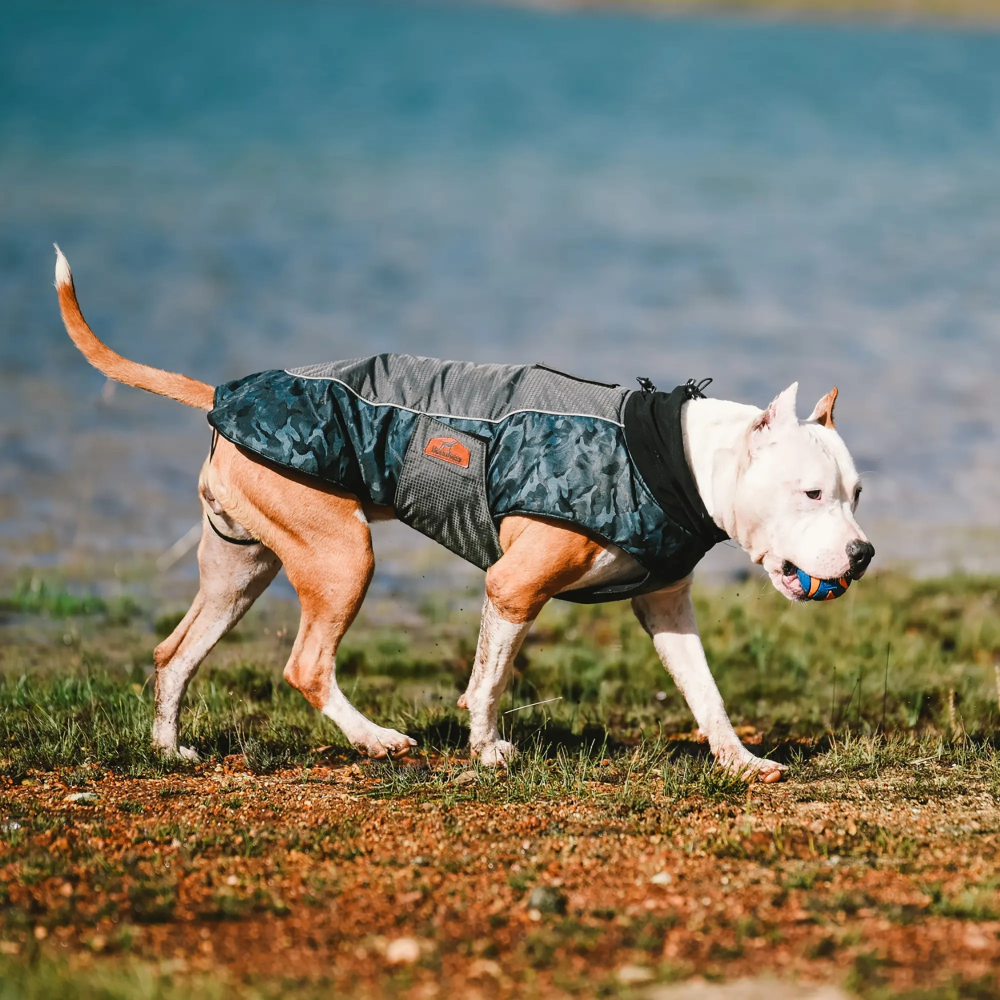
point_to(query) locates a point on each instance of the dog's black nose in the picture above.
(859, 554)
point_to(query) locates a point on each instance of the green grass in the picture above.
(895, 672)
(37, 596)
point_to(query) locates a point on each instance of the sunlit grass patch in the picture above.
(37, 596)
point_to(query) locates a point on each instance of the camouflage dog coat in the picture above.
(454, 447)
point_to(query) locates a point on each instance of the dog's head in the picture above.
(797, 497)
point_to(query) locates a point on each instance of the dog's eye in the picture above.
(814, 494)
(857, 496)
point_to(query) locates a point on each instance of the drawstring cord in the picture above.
(208, 515)
(227, 538)
(693, 389)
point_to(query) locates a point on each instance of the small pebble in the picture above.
(629, 975)
(403, 951)
(662, 878)
(484, 967)
(466, 778)
(82, 798)
(545, 899)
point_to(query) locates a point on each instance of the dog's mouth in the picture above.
(797, 585)
(786, 581)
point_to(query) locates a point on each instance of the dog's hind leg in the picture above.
(233, 576)
(324, 541)
(330, 570)
(331, 590)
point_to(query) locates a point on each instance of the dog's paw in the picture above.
(378, 743)
(497, 754)
(177, 753)
(744, 764)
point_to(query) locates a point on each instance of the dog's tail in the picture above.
(185, 390)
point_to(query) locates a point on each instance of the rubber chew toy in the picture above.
(823, 590)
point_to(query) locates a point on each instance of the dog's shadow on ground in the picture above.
(553, 740)
(450, 736)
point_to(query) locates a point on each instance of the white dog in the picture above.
(556, 486)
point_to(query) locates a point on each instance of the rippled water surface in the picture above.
(266, 185)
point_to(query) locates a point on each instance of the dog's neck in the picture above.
(716, 441)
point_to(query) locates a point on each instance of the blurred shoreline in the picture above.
(941, 13)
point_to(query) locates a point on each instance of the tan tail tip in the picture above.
(64, 276)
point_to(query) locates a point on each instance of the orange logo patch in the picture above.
(448, 450)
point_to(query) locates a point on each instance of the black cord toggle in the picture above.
(696, 390)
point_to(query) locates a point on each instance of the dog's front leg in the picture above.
(499, 641)
(668, 616)
(541, 559)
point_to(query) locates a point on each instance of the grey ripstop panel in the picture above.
(464, 389)
(442, 491)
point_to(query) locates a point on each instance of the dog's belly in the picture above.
(378, 512)
(611, 568)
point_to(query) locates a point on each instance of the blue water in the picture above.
(251, 185)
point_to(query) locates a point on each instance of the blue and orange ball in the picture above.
(815, 589)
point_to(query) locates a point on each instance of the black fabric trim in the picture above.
(656, 444)
(613, 591)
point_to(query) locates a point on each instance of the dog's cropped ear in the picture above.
(823, 414)
(780, 413)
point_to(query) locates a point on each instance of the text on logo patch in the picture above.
(448, 450)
